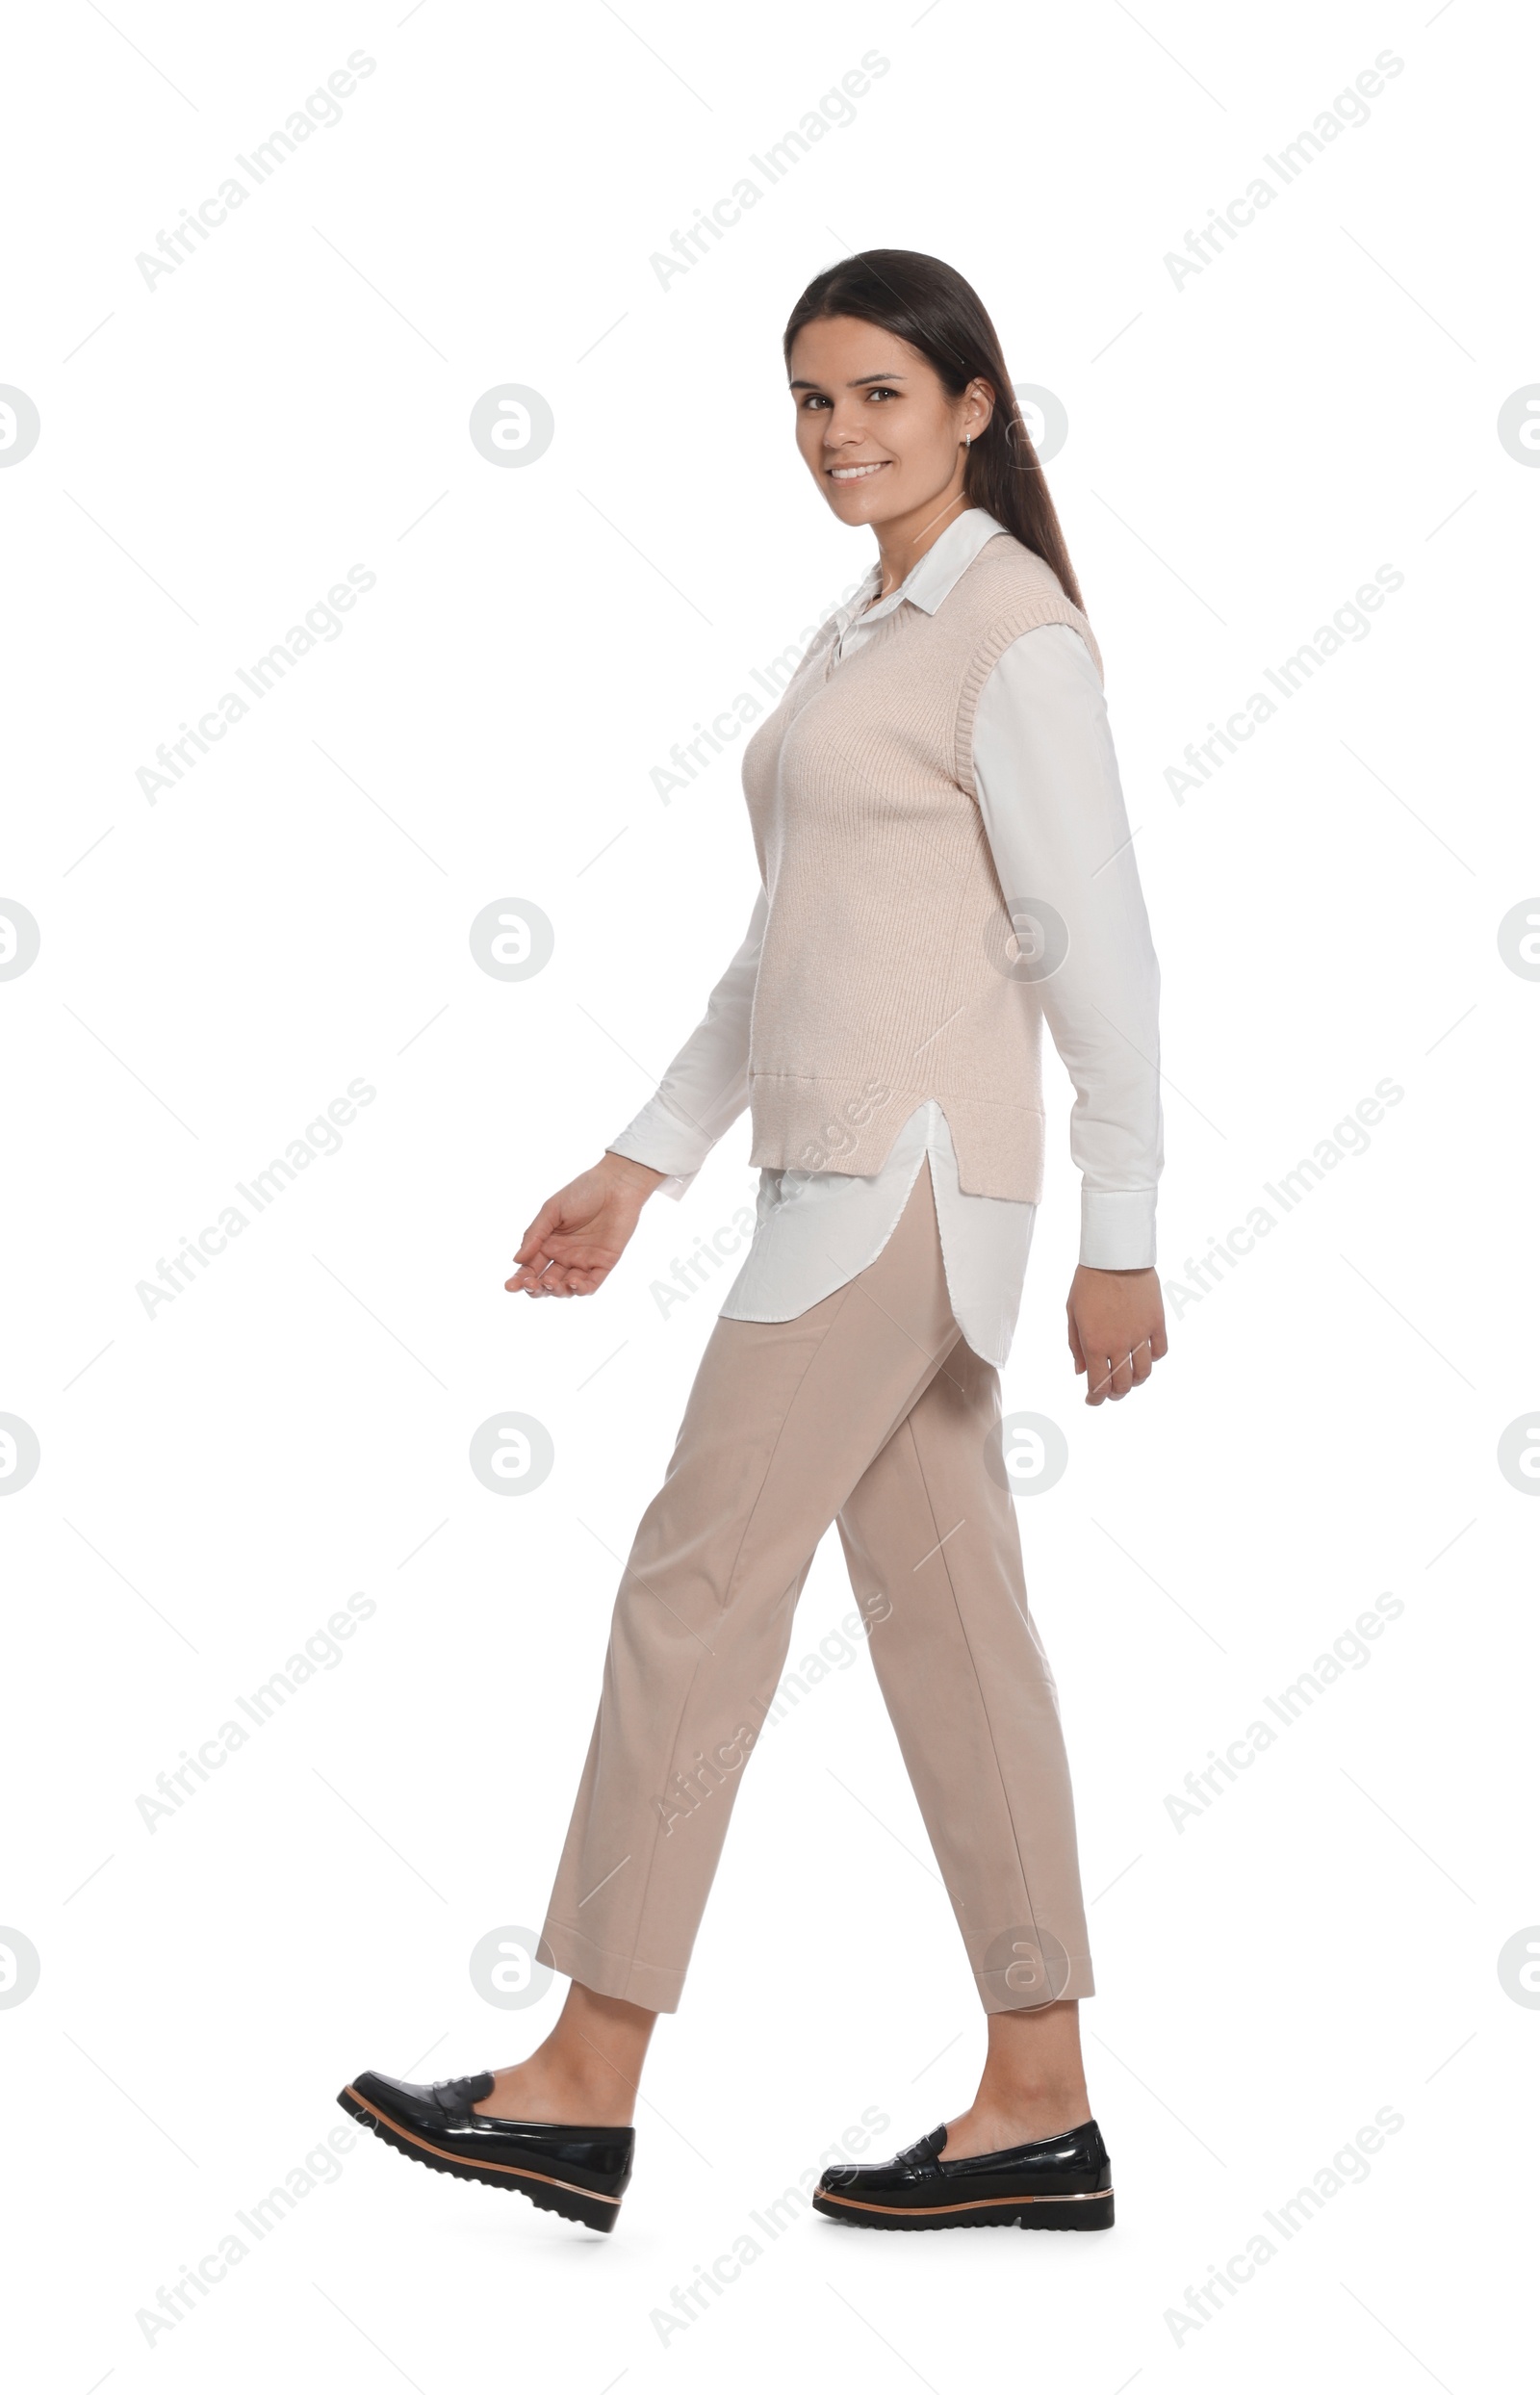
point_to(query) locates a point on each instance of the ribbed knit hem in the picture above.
(835, 1125)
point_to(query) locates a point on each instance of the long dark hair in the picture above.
(928, 304)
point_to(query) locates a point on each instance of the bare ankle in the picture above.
(1035, 2094)
(586, 2071)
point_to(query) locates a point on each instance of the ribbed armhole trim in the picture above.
(1026, 618)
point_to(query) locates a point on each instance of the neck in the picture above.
(903, 541)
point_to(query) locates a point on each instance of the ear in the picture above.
(978, 407)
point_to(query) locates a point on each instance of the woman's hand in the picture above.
(1116, 1329)
(580, 1236)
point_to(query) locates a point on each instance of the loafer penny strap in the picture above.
(921, 2155)
(459, 2094)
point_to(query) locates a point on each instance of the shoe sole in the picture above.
(549, 2195)
(1092, 2211)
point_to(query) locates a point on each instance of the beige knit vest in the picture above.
(884, 977)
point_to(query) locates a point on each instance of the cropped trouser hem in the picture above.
(1014, 1990)
(870, 1411)
(625, 1975)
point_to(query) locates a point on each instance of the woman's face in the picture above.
(880, 433)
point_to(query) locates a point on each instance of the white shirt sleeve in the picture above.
(706, 1085)
(1053, 810)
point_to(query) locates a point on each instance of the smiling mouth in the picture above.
(856, 473)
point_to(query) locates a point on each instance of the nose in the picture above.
(844, 428)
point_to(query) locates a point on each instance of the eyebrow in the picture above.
(800, 382)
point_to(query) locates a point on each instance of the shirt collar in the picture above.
(932, 580)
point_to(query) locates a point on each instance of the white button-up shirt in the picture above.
(1053, 811)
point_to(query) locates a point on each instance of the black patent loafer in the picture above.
(580, 2172)
(1058, 2182)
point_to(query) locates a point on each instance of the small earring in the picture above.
(968, 440)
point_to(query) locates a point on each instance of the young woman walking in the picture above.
(945, 861)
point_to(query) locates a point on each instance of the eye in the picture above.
(814, 399)
(882, 391)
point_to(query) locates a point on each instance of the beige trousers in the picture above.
(869, 1409)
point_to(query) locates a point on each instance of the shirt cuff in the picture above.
(669, 1141)
(664, 1145)
(1118, 1229)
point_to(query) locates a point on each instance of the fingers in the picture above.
(1100, 1370)
(1116, 1346)
(1114, 1375)
(530, 1272)
(545, 1222)
(570, 1281)
(548, 1275)
(575, 1241)
(553, 1280)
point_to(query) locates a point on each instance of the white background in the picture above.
(1243, 451)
